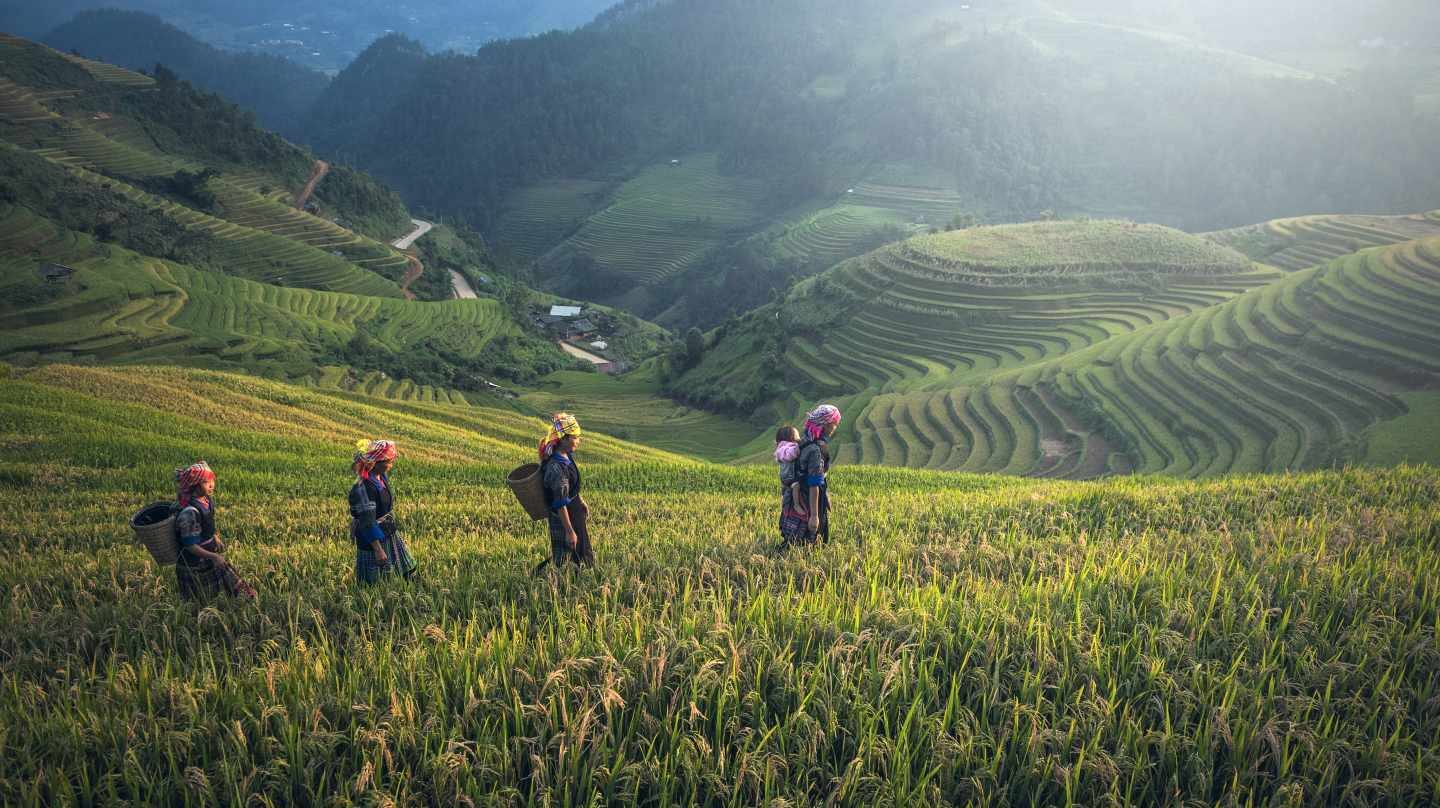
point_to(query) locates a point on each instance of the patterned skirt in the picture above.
(204, 579)
(398, 559)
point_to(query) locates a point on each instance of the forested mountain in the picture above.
(1000, 112)
(354, 103)
(280, 92)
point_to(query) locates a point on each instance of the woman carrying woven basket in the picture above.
(569, 515)
(201, 570)
(379, 550)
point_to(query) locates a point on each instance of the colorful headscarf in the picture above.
(187, 478)
(561, 425)
(370, 452)
(823, 416)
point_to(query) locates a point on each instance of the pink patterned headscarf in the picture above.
(823, 416)
(187, 478)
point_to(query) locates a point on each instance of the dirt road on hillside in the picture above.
(316, 174)
(462, 287)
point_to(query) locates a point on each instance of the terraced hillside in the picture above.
(834, 234)
(940, 310)
(1297, 374)
(97, 128)
(1307, 241)
(543, 215)
(664, 219)
(122, 307)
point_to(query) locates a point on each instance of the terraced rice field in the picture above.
(834, 234)
(1291, 375)
(915, 204)
(937, 311)
(131, 309)
(667, 217)
(269, 239)
(111, 74)
(541, 216)
(1301, 243)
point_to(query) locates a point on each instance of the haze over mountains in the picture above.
(808, 183)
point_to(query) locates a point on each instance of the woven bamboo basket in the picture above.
(154, 528)
(530, 490)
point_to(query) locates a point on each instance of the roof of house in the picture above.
(584, 325)
(564, 311)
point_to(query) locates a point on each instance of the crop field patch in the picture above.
(925, 610)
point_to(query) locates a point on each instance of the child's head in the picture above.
(787, 434)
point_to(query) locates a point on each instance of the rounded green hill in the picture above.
(1058, 251)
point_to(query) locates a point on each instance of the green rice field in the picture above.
(964, 640)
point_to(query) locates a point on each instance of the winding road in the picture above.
(407, 241)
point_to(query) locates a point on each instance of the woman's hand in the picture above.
(382, 559)
(219, 543)
(570, 538)
(814, 523)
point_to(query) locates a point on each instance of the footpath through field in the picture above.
(318, 173)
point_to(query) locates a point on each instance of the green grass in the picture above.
(632, 407)
(963, 640)
(665, 218)
(1411, 438)
(127, 308)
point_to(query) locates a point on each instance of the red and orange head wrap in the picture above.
(370, 452)
(190, 476)
(822, 417)
(562, 424)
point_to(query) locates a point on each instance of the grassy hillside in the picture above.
(939, 309)
(1307, 241)
(1057, 350)
(661, 221)
(126, 308)
(1293, 375)
(963, 640)
(133, 129)
(634, 408)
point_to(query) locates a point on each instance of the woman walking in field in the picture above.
(569, 515)
(201, 570)
(812, 468)
(379, 550)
